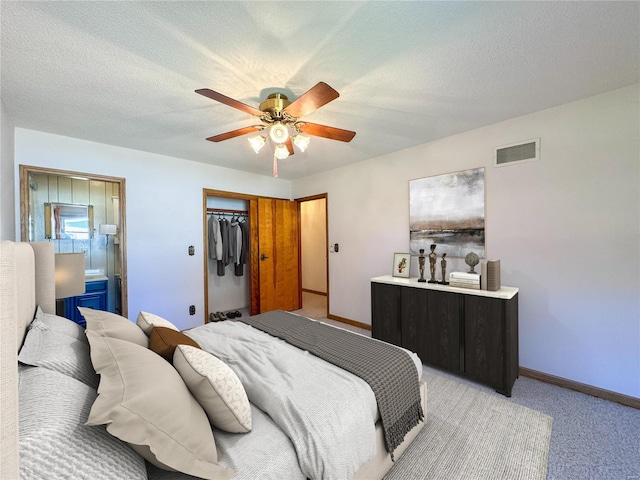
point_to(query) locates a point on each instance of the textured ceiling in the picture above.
(124, 73)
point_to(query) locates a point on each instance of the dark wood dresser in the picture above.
(473, 333)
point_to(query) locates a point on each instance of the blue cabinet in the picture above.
(95, 297)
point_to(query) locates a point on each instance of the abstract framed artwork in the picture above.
(401, 265)
(448, 210)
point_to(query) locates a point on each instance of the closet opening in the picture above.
(270, 278)
(228, 251)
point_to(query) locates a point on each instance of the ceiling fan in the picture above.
(279, 115)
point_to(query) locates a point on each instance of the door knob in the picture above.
(263, 257)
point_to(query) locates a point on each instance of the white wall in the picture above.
(566, 228)
(313, 227)
(7, 174)
(164, 214)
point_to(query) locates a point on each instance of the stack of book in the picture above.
(464, 280)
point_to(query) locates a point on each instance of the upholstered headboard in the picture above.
(27, 272)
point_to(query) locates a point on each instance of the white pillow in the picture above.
(146, 321)
(143, 401)
(216, 387)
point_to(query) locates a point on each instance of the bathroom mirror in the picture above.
(68, 221)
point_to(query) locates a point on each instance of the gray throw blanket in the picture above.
(389, 371)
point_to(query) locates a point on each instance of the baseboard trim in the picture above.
(620, 398)
(324, 294)
(364, 326)
(582, 388)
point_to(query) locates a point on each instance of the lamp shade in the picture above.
(281, 152)
(279, 133)
(69, 276)
(257, 142)
(301, 141)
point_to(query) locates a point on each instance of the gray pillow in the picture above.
(54, 323)
(55, 442)
(59, 352)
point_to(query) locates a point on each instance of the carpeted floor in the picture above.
(472, 435)
(591, 439)
(313, 305)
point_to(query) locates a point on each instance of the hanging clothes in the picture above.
(224, 233)
(239, 242)
(244, 250)
(233, 239)
(215, 239)
(228, 242)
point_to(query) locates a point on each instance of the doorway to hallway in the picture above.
(314, 306)
(314, 258)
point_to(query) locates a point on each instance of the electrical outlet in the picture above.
(192, 309)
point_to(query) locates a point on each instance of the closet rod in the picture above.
(225, 210)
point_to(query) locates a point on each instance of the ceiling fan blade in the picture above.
(327, 132)
(235, 133)
(289, 146)
(218, 97)
(311, 100)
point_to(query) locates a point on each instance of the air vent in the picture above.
(526, 151)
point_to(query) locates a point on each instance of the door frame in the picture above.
(254, 283)
(254, 280)
(326, 206)
(25, 199)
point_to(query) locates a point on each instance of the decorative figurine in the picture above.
(443, 265)
(421, 259)
(432, 263)
(472, 260)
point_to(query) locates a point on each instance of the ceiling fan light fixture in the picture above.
(279, 133)
(278, 115)
(281, 152)
(301, 141)
(257, 142)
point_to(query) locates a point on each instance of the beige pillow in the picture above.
(143, 401)
(146, 321)
(216, 387)
(107, 324)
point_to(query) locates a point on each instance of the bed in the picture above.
(275, 411)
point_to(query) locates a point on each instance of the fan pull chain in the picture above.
(275, 166)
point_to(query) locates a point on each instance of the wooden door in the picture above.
(278, 256)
